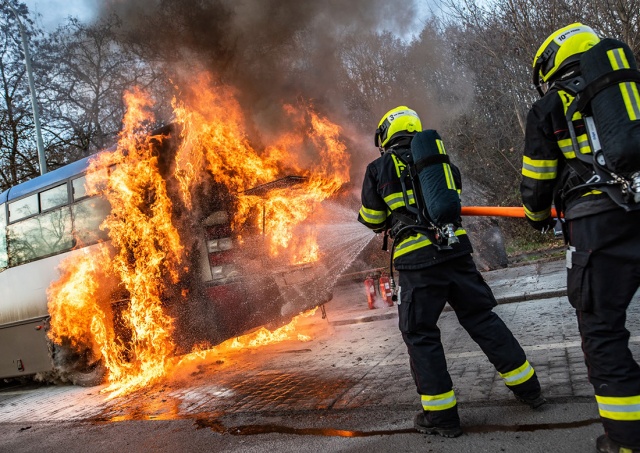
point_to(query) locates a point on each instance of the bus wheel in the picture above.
(78, 367)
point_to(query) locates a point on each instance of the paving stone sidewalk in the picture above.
(355, 360)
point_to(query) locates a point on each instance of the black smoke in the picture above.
(272, 51)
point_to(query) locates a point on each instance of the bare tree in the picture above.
(89, 69)
(18, 155)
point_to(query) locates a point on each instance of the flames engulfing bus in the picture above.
(233, 286)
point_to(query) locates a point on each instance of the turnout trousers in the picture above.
(423, 294)
(603, 274)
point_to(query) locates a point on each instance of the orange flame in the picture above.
(260, 337)
(146, 255)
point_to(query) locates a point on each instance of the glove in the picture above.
(544, 226)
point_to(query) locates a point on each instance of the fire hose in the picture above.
(498, 211)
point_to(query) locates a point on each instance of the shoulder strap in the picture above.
(431, 160)
(605, 81)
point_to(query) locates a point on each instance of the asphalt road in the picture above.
(347, 389)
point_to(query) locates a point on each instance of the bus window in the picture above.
(79, 190)
(88, 214)
(3, 237)
(40, 236)
(25, 207)
(100, 178)
(54, 197)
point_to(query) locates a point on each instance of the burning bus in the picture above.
(119, 261)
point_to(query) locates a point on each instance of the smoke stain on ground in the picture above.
(247, 430)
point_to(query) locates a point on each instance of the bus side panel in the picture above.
(24, 349)
(23, 289)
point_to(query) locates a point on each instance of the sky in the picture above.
(55, 12)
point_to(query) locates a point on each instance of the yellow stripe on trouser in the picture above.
(438, 402)
(625, 408)
(521, 374)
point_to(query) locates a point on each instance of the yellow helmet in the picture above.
(560, 50)
(398, 122)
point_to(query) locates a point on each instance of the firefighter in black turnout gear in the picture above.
(432, 274)
(603, 239)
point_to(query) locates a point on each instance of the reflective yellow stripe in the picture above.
(539, 169)
(396, 200)
(446, 168)
(618, 59)
(629, 90)
(583, 143)
(521, 374)
(438, 402)
(631, 99)
(566, 146)
(398, 164)
(592, 192)
(373, 216)
(410, 244)
(415, 242)
(537, 216)
(619, 407)
(567, 99)
(635, 100)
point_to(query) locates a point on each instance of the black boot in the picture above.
(534, 402)
(606, 445)
(421, 424)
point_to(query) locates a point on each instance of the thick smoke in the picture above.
(270, 50)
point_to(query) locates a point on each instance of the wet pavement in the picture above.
(347, 389)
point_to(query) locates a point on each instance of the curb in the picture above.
(532, 296)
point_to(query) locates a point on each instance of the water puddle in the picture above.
(248, 430)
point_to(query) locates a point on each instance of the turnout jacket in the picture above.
(546, 175)
(382, 197)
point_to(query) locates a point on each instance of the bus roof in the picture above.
(66, 172)
(48, 179)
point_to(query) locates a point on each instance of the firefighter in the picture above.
(603, 253)
(429, 278)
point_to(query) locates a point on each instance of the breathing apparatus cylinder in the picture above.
(438, 188)
(615, 108)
